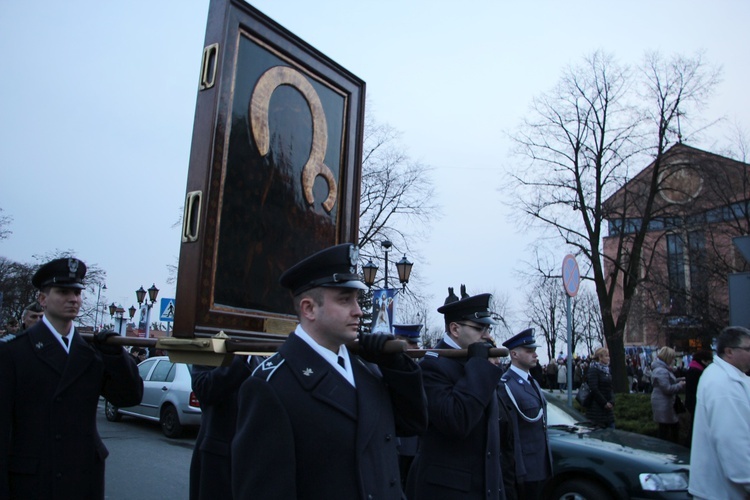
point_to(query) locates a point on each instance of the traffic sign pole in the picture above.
(571, 282)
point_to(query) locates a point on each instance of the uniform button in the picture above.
(489, 453)
(387, 437)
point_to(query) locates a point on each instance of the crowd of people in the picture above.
(338, 414)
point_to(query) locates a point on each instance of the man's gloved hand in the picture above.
(372, 343)
(99, 341)
(479, 350)
(371, 349)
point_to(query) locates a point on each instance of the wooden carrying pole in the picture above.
(269, 347)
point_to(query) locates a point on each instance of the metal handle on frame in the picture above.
(191, 217)
(208, 66)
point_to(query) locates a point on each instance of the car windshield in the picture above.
(559, 414)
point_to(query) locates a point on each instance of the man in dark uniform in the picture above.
(50, 383)
(216, 388)
(315, 420)
(409, 334)
(526, 407)
(32, 314)
(459, 455)
(407, 446)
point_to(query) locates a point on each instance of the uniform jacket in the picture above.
(665, 387)
(531, 442)
(720, 451)
(304, 432)
(216, 388)
(49, 445)
(600, 383)
(459, 455)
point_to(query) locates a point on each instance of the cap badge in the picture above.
(307, 372)
(39, 345)
(73, 267)
(353, 257)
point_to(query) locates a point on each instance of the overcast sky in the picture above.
(97, 101)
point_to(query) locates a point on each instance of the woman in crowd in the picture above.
(602, 400)
(665, 387)
(700, 361)
(562, 375)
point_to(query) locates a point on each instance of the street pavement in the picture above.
(143, 464)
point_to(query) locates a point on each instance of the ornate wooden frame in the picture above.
(275, 170)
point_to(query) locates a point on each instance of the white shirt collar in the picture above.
(448, 340)
(521, 372)
(58, 335)
(328, 355)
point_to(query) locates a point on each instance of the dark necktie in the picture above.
(65, 341)
(533, 386)
(342, 363)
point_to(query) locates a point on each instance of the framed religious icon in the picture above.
(274, 174)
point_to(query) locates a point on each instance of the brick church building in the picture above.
(703, 201)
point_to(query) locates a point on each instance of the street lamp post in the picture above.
(386, 246)
(98, 303)
(141, 295)
(370, 270)
(403, 267)
(117, 313)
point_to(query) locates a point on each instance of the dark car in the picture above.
(600, 464)
(168, 397)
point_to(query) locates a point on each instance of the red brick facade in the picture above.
(701, 204)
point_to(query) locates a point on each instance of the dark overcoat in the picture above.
(600, 383)
(49, 444)
(304, 432)
(459, 455)
(216, 388)
(531, 442)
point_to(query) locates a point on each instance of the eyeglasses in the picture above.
(480, 329)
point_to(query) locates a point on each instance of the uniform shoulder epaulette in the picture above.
(267, 368)
(431, 354)
(12, 336)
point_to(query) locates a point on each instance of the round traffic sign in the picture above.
(571, 275)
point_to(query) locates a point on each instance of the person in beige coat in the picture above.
(665, 388)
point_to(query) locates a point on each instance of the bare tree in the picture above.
(500, 307)
(396, 205)
(587, 321)
(545, 304)
(582, 141)
(15, 287)
(5, 221)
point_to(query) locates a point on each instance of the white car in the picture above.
(168, 397)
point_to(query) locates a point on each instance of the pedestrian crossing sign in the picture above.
(166, 310)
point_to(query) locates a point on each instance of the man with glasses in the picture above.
(526, 409)
(721, 431)
(459, 455)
